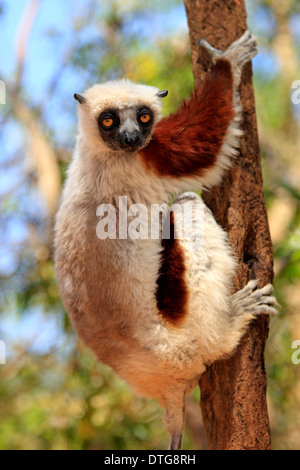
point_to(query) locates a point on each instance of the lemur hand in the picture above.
(238, 53)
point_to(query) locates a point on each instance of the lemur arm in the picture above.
(189, 142)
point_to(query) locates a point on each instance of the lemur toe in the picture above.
(264, 291)
(251, 286)
(263, 301)
(269, 300)
(264, 309)
(257, 301)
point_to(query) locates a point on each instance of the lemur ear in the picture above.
(80, 98)
(162, 94)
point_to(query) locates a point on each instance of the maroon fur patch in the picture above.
(188, 142)
(172, 291)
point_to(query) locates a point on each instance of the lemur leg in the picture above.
(238, 53)
(250, 302)
(174, 416)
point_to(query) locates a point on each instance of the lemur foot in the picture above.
(238, 53)
(256, 301)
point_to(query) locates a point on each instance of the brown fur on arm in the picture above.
(188, 142)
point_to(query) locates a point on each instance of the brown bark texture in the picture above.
(233, 391)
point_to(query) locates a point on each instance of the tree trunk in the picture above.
(233, 391)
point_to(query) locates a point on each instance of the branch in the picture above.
(23, 36)
(233, 391)
(45, 161)
(69, 52)
(44, 158)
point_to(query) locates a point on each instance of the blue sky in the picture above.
(42, 56)
(55, 16)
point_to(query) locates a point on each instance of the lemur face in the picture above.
(128, 129)
(119, 116)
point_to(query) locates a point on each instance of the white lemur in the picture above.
(155, 310)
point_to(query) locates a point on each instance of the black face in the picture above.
(127, 129)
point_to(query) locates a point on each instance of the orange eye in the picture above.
(145, 118)
(108, 122)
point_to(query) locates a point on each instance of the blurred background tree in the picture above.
(53, 393)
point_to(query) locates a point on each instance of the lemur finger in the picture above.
(247, 34)
(212, 51)
(246, 40)
(247, 55)
(242, 50)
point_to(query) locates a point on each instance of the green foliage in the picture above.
(274, 102)
(74, 403)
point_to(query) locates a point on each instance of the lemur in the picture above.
(156, 310)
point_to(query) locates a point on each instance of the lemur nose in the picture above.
(132, 140)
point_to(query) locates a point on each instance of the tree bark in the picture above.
(233, 391)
